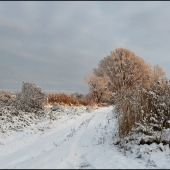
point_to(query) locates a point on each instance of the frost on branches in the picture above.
(26, 109)
(144, 113)
(31, 98)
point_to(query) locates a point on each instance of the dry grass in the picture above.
(68, 100)
(62, 99)
(51, 99)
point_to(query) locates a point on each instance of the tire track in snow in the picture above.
(76, 147)
(78, 159)
(84, 154)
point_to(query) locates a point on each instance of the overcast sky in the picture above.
(57, 44)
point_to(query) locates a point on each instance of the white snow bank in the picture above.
(74, 141)
(84, 141)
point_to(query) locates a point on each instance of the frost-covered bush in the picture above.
(126, 108)
(31, 98)
(6, 98)
(145, 112)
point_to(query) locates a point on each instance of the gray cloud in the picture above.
(57, 44)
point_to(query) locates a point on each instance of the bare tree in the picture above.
(158, 74)
(124, 68)
(98, 87)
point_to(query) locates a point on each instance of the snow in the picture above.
(81, 140)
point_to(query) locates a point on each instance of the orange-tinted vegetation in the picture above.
(5, 96)
(68, 100)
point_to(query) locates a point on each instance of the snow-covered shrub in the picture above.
(145, 112)
(31, 98)
(6, 98)
(127, 105)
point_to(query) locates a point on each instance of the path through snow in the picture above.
(83, 142)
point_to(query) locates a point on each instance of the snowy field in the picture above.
(81, 140)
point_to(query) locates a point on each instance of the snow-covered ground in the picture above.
(82, 140)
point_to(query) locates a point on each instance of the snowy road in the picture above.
(83, 142)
